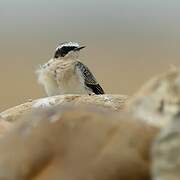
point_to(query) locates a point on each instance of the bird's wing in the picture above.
(89, 79)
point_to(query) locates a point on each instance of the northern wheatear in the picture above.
(65, 74)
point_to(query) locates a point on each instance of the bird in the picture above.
(64, 73)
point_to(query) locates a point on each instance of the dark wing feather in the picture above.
(89, 79)
(96, 88)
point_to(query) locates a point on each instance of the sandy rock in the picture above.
(113, 102)
(158, 100)
(166, 152)
(76, 144)
(4, 127)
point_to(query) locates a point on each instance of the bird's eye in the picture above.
(63, 51)
(66, 49)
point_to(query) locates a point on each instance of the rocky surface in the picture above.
(166, 152)
(5, 126)
(158, 100)
(107, 137)
(77, 143)
(113, 102)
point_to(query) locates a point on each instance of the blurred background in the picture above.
(128, 41)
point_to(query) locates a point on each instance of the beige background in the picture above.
(127, 41)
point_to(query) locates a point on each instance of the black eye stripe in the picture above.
(66, 49)
(63, 51)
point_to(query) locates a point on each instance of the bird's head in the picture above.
(68, 50)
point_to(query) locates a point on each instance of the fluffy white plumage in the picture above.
(60, 77)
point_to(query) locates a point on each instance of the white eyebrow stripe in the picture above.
(68, 44)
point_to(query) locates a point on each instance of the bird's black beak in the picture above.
(79, 48)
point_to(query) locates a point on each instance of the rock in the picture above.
(77, 143)
(166, 152)
(4, 127)
(158, 100)
(113, 102)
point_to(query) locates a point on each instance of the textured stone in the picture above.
(113, 102)
(5, 126)
(158, 100)
(79, 143)
(166, 152)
